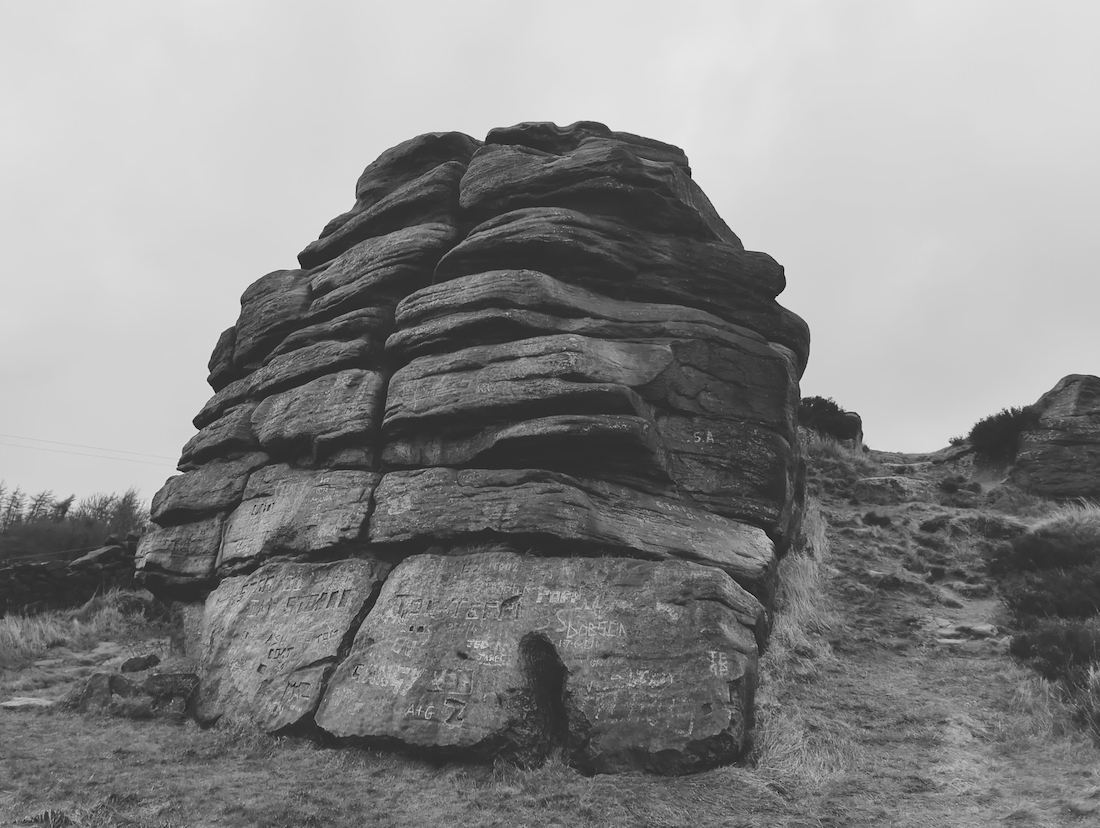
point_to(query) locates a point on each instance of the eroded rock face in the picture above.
(550, 343)
(621, 663)
(270, 640)
(1061, 459)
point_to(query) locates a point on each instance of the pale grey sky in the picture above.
(926, 171)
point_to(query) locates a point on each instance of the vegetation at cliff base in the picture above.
(823, 415)
(1050, 583)
(997, 437)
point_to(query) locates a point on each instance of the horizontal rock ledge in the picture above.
(442, 505)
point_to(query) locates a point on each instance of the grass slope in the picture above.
(874, 710)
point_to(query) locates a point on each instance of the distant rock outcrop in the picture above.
(504, 467)
(1061, 459)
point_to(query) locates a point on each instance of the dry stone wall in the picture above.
(505, 467)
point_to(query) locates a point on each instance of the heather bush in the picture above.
(823, 415)
(1060, 648)
(997, 437)
(1050, 582)
(1066, 593)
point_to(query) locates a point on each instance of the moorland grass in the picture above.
(788, 748)
(1050, 583)
(833, 467)
(113, 614)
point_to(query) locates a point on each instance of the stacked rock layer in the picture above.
(1061, 458)
(504, 468)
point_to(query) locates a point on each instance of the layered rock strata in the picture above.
(1061, 458)
(528, 411)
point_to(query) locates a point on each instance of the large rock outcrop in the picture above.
(1061, 458)
(505, 467)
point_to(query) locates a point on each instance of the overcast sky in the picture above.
(927, 172)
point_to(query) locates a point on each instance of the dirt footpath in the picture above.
(904, 710)
(941, 726)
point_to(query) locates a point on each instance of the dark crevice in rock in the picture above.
(309, 726)
(543, 728)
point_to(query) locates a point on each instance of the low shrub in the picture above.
(1060, 648)
(1012, 500)
(823, 415)
(1068, 537)
(114, 614)
(997, 437)
(832, 466)
(1050, 582)
(1066, 593)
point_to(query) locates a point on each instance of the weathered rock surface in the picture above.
(495, 653)
(504, 305)
(431, 198)
(299, 513)
(382, 267)
(180, 558)
(548, 137)
(613, 258)
(335, 415)
(599, 176)
(550, 343)
(556, 512)
(216, 486)
(21, 703)
(270, 308)
(886, 490)
(705, 411)
(1061, 459)
(301, 365)
(168, 695)
(220, 365)
(230, 434)
(401, 165)
(270, 640)
(363, 323)
(102, 555)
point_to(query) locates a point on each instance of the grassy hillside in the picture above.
(888, 697)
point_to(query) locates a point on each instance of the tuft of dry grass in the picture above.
(832, 467)
(1085, 700)
(801, 609)
(789, 749)
(1009, 499)
(24, 638)
(1079, 515)
(1032, 714)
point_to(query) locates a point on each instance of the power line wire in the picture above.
(96, 456)
(79, 445)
